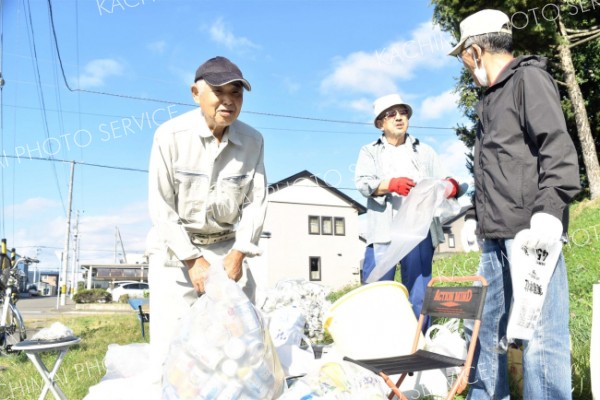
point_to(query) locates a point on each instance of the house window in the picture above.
(326, 226)
(313, 225)
(340, 226)
(315, 268)
(451, 242)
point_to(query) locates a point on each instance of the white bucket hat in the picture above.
(484, 21)
(385, 102)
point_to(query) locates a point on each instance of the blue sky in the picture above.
(321, 60)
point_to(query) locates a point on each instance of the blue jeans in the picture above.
(415, 270)
(546, 357)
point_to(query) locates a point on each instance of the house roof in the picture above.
(449, 221)
(307, 175)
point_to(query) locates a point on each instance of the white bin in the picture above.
(373, 321)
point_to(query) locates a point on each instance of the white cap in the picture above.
(385, 102)
(484, 21)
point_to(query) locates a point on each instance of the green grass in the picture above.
(583, 268)
(82, 367)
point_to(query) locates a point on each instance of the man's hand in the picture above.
(198, 270)
(233, 264)
(468, 236)
(545, 230)
(451, 188)
(401, 185)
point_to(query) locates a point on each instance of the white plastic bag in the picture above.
(530, 271)
(446, 339)
(127, 376)
(286, 326)
(223, 350)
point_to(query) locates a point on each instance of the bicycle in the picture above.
(12, 327)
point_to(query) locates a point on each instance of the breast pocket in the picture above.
(192, 193)
(230, 193)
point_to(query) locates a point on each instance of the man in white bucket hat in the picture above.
(526, 172)
(386, 171)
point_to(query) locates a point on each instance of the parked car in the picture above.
(33, 290)
(113, 285)
(132, 289)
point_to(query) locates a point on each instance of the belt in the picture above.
(210, 238)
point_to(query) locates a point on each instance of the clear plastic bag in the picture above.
(337, 380)
(223, 350)
(411, 224)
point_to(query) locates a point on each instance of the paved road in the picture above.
(42, 307)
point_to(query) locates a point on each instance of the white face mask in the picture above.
(480, 74)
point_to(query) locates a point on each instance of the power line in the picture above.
(54, 159)
(33, 49)
(257, 127)
(130, 97)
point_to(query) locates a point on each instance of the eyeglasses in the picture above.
(459, 56)
(392, 113)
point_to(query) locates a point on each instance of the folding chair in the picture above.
(463, 302)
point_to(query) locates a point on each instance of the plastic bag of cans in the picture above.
(223, 350)
(309, 297)
(337, 380)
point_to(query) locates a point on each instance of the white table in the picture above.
(34, 348)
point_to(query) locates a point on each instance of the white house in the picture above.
(310, 232)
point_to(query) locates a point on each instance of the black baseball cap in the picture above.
(219, 71)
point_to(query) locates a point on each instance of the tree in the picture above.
(568, 33)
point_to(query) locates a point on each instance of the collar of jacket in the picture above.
(413, 141)
(517, 63)
(202, 129)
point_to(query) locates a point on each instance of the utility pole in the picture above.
(120, 241)
(75, 263)
(65, 256)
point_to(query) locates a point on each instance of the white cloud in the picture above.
(290, 85)
(222, 34)
(453, 157)
(435, 106)
(32, 207)
(157, 47)
(96, 71)
(96, 233)
(363, 105)
(183, 75)
(375, 73)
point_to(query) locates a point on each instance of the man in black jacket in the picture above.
(526, 172)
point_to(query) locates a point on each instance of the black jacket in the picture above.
(525, 160)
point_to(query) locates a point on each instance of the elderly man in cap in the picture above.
(526, 172)
(207, 199)
(386, 171)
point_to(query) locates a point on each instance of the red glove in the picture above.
(401, 185)
(451, 191)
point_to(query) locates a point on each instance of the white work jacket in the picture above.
(198, 186)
